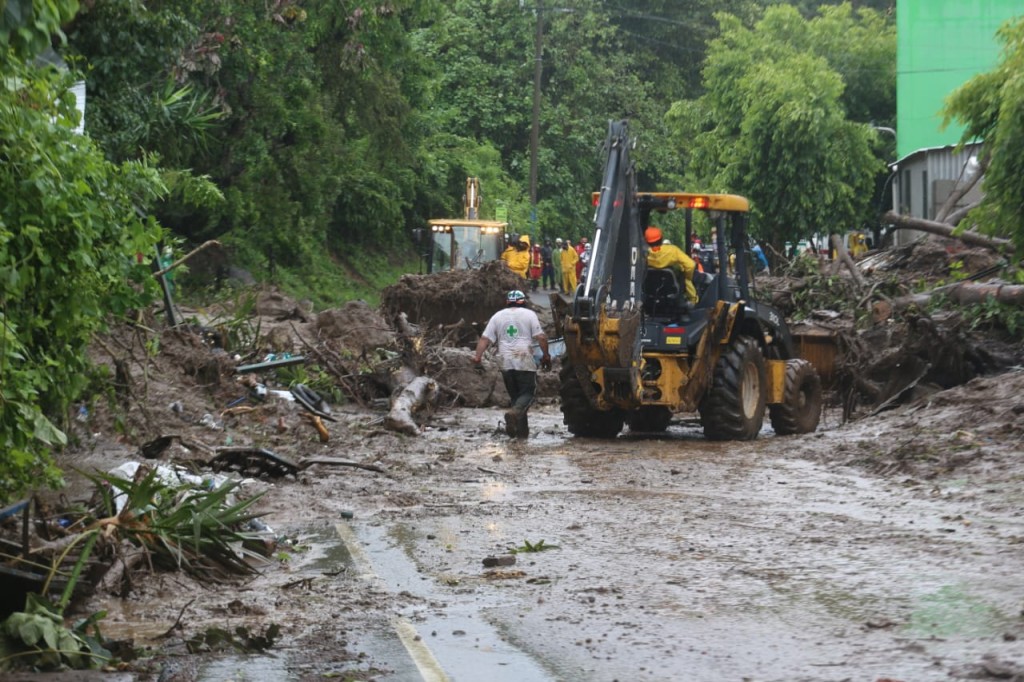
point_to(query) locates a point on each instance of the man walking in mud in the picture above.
(513, 330)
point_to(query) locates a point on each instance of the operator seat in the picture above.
(662, 292)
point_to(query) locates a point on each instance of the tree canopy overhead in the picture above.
(991, 107)
(774, 123)
(333, 126)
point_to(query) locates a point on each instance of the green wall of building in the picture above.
(940, 45)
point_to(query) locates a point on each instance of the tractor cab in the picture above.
(461, 244)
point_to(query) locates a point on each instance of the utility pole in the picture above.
(538, 64)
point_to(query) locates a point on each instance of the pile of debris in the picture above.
(901, 323)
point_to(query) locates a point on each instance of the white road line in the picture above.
(429, 667)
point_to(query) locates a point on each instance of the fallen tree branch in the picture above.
(128, 557)
(903, 222)
(946, 212)
(177, 621)
(956, 216)
(414, 397)
(843, 256)
(320, 355)
(964, 293)
(177, 263)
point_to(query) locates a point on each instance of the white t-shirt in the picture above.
(512, 330)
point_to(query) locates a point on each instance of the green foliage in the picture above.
(773, 124)
(236, 326)
(314, 377)
(37, 639)
(182, 526)
(991, 314)
(956, 271)
(991, 107)
(137, 61)
(533, 547)
(330, 126)
(69, 231)
(27, 26)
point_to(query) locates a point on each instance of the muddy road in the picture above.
(831, 556)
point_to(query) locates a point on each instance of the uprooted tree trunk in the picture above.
(965, 293)
(903, 222)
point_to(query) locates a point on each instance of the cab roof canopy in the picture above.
(669, 201)
(448, 222)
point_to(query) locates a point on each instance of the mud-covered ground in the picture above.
(885, 549)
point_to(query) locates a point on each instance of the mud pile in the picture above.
(445, 298)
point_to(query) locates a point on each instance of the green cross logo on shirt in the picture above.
(511, 331)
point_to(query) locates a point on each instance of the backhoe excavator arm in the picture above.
(617, 263)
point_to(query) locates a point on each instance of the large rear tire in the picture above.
(800, 409)
(578, 414)
(650, 418)
(734, 408)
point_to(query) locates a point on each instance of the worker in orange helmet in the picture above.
(661, 256)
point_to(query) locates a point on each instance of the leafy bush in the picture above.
(181, 526)
(37, 638)
(70, 229)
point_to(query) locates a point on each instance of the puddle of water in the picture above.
(326, 554)
(245, 669)
(465, 645)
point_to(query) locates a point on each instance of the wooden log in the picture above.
(129, 556)
(414, 397)
(964, 293)
(903, 222)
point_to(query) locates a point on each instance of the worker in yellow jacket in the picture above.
(517, 255)
(520, 262)
(663, 255)
(568, 259)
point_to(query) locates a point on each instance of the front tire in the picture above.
(734, 407)
(800, 409)
(581, 418)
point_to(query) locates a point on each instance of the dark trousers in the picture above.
(548, 276)
(521, 386)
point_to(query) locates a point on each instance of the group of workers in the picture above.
(557, 265)
(562, 265)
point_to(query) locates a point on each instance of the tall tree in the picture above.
(772, 126)
(991, 106)
(486, 51)
(308, 105)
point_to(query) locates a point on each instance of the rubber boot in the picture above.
(512, 423)
(522, 426)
